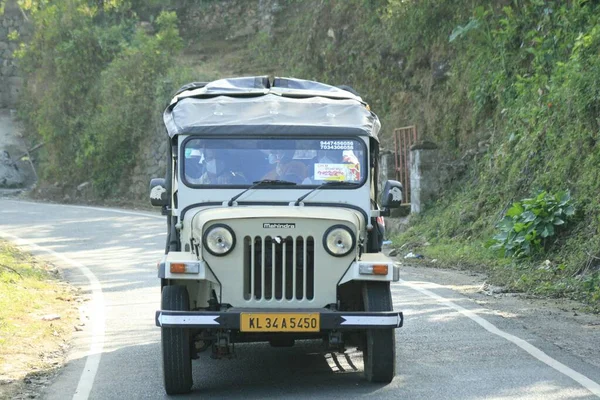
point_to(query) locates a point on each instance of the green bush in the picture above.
(127, 92)
(71, 45)
(528, 224)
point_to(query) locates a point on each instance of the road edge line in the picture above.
(84, 207)
(583, 380)
(86, 380)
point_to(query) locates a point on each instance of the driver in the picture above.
(218, 169)
(193, 165)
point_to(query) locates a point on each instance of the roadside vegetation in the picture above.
(533, 76)
(509, 91)
(37, 318)
(97, 81)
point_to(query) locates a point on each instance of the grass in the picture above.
(29, 345)
(545, 276)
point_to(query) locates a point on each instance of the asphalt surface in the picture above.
(450, 347)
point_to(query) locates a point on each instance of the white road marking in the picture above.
(86, 381)
(534, 351)
(141, 214)
(93, 360)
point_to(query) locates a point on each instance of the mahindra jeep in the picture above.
(274, 231)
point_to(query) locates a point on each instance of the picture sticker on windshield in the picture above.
(337, 145)
(331, 172)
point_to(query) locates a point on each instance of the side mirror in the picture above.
(392, 195)
(158, 192)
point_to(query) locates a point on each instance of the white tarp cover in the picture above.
(255, 106)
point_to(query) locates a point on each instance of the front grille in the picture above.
(279, 268)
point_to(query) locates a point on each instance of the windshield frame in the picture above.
(360, 139)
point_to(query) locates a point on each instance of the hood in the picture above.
(301, 216)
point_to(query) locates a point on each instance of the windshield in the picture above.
(240, 162)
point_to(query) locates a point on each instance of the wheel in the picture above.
(176, 355)
(379, 353)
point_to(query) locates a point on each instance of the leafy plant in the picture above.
(463, 30)
(528, 223)
(592, 286)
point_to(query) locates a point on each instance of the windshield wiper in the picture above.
(263, 182)
(328, 183)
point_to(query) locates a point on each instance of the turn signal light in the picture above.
(372, 269)
(380, 269)
(177, 268)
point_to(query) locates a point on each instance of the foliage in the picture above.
(378, 47)
(463, 30)
(127, 89)
(529, 223)
(521, 76)
(92, 74)
(532, 72)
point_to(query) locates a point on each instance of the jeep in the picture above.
(274, 230)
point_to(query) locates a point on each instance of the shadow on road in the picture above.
(258, 371)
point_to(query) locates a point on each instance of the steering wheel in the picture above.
(238, 179)
(293, 178)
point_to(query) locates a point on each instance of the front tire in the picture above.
(379, 353)
(176, 356)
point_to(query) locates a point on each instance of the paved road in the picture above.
(450, 347)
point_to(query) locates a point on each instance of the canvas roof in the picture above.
(258, 106)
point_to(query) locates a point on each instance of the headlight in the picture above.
(338, 241)
(218, 240)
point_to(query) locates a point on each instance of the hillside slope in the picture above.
(519, 79)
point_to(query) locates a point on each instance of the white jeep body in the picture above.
(273, 229)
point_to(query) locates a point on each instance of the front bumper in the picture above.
(230, 319)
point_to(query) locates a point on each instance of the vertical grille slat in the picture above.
(253, 261)
(283, 269)
(294, 270)
(277, 268)
(273, 285)
(310, 269)
(302, 294)
(289, 268)
(262, 267)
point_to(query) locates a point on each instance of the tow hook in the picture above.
(222, 347)
(202, 342)
(335, 342)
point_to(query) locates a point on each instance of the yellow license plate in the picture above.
(280, 322)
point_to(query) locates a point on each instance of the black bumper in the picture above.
(329, 320)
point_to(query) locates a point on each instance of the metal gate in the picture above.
(404, 138)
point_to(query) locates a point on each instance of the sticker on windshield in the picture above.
(337, 145)
(336, 172)
(353, 165)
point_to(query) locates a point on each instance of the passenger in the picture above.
(285, 167)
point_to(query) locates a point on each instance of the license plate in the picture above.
(280, 322)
